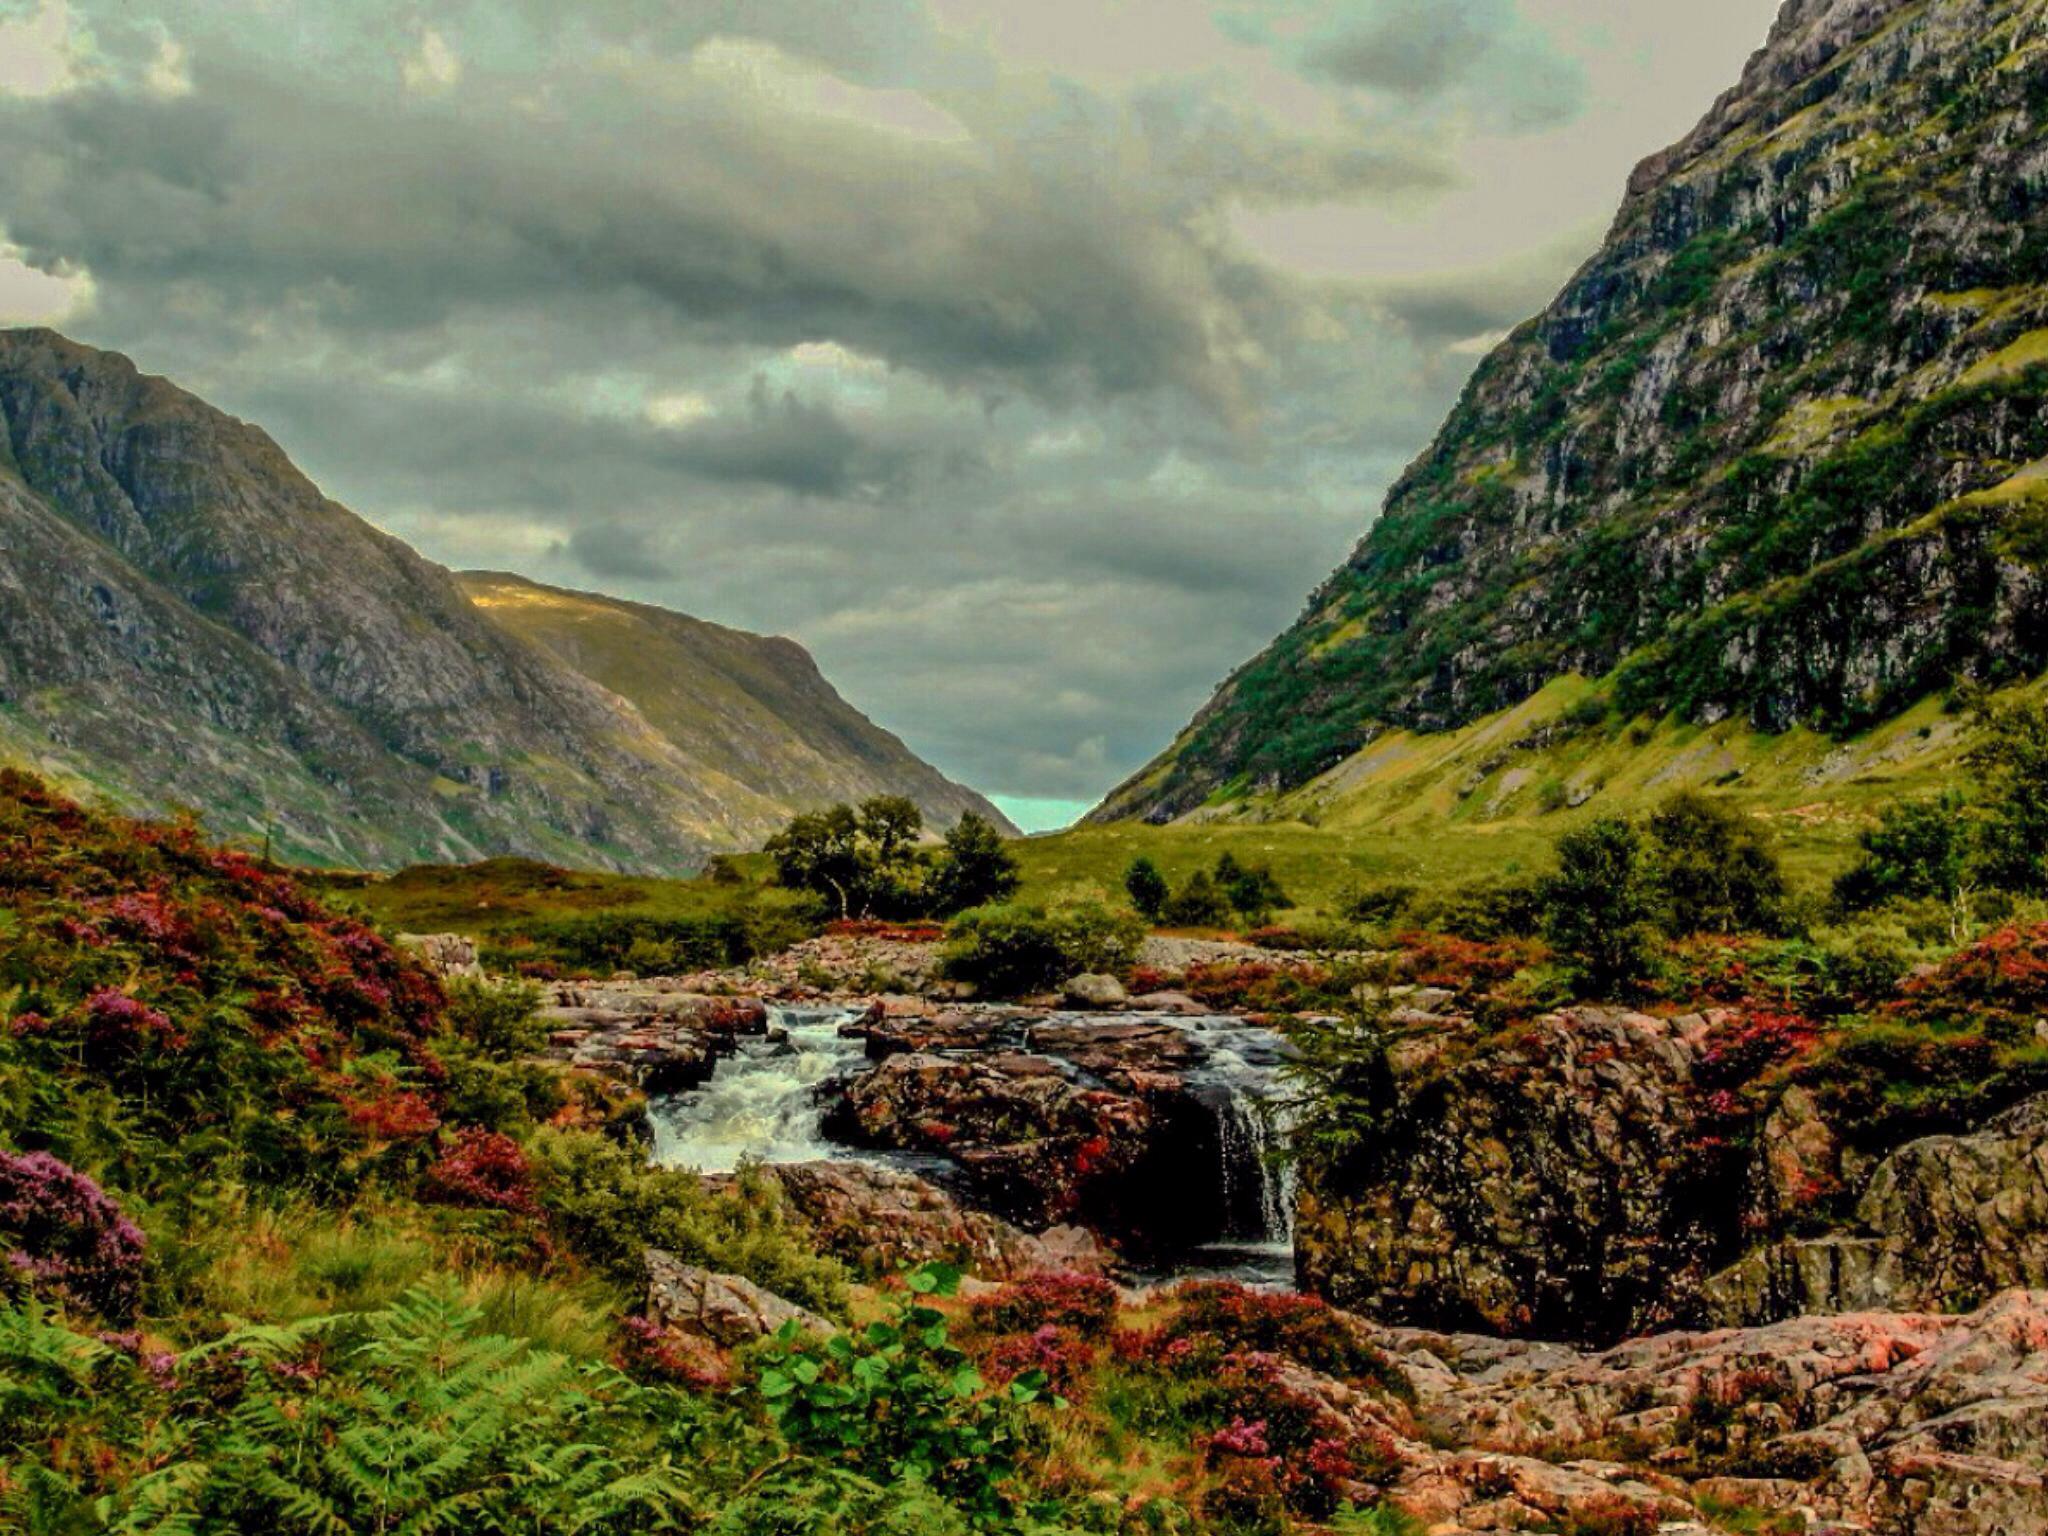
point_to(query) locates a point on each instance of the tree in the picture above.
(1198, 904)
(2011, 760)
(1602, 906)
(1148, 889)
(976, 869)
(1919, 851)
(892, 826)
(821, 852)
(1252, 892)
(1718, 870)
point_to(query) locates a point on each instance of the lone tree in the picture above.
(1717, 867)
(976, 868)
(858, 860)
(1602, 906)
(1148, 889)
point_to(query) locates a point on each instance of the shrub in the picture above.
(1199, 904)
(63, 1236)
(1011, 951)
(2011, 761)
(1084, 1304)
(1488, 911)
(1919, 849)
(609, 1205)
(975, 868)
(1377, 903)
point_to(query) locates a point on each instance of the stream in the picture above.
(766, 1103)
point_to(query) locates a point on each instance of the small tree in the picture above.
(1717, 867)
(1920, 850)
(2011, 759)
(1253, 893)
(821, 852)
(976, 869)
(1602, 906)
(1148, 889)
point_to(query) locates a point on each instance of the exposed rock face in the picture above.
(1560, 1184)
(448, 955)
(1774, 451)
(1897, 1423)
(306, 677)
(881, 1220)
(725, 1309)
(1945, 1222)
(1053, 1121)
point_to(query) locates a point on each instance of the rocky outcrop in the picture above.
(1944, 1222)
(1919, 1425)
(648, 1034)
(1563, 1182)
(450, 956)
(725, 1309)
(1058, 1120)
(884, 1220)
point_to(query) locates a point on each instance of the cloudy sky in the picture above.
(1029, 360)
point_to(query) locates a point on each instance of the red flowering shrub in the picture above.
(887, 933)
(1062, 1354)
(60, 1233)
(1257, 987)
(1998, 985)
(1223, 1318)
(1444, 960)
(1754, 1041)
(484, 1170)
(392, 1116)
(1082, 1304)
(116, 1022)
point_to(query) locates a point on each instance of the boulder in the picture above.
(448, 955)
(725, 1309)
(1096, 992)
(881, 1220)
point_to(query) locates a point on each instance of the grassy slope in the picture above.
(1485, 800)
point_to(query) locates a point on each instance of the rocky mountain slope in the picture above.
(189, 621)
(1776, 454)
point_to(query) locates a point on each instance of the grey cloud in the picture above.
(618, 552)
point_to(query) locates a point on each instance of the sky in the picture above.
(1029, 362)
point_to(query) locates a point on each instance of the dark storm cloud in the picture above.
(618, 552)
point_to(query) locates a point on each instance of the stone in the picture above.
(725, 1309)
(1096, 992)
(448, 955)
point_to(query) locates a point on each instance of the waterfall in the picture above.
(1240, 1083)
(762, 1102)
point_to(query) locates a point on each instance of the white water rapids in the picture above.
(765, 1104)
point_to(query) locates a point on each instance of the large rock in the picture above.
(1097, 992)
(725, 1309)
(1944, 1222)
(1565, 1181)
(448, 955)
(882, 1220)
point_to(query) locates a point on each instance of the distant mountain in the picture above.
(1778, 455)
(186, 620)
(754, 709)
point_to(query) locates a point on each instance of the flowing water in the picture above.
(765, 1104)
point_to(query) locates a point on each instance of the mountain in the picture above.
(186, 620)
(1775, 458)
(752, 708)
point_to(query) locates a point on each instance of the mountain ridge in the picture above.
(354, 702)
(1770, 453)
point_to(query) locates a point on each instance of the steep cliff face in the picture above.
(1777, 451)
(188, 620)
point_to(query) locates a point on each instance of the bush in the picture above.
(1919, 850)
(1148, 889)
(610, 1206)
(1199, 904)
(1082, 1303)
(1484, 910)
(61, 1235)
(975, 869)
(1012, 951)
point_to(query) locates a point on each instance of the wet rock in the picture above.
(1117, 1052)
(649, 1036)
(725, 1309)
(881, 1220)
